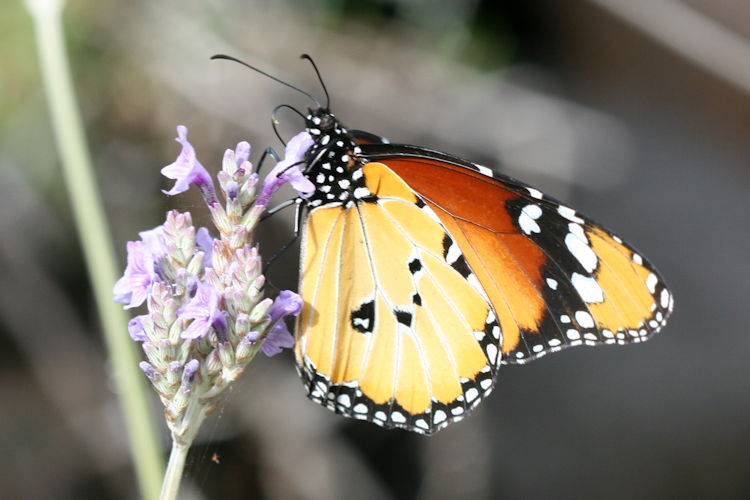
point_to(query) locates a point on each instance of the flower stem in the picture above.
(95, 239)
(176, 465)
(183, 436)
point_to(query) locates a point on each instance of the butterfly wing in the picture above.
(554, 277)
(364, 137)
(395, 328)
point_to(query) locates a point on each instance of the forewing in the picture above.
(554, 277)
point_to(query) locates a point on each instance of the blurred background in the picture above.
(633, 111)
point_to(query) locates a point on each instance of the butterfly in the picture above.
(423, 273)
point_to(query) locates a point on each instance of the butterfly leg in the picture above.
(297, 222)
(268, 151)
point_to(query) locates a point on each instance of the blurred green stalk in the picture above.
(96, 242)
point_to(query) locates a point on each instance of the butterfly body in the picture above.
(422, 273)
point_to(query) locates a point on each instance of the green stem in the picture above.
(176, 465)
(95, 240)
(182, 438)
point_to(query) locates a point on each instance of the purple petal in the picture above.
(242, 152)
(154, 242)
(135, 329)
(298, 146)
(206, 243)
(149, 370)
(277, 339)
(202, 309)
(233, 190)
(186, 169)
(219, 324)
(287, 303)
(287, 170)
(191, 367)
(133, 287)
(299, 182)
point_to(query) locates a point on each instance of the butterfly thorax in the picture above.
(334, 165)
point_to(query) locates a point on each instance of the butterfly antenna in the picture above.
(275, 122)
(320, 79)
(230, 58)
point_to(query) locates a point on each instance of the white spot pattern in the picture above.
(569, 214)
(578, 245)
(527, 219)
(587, 287)
(584, 319)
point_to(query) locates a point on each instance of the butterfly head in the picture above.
(333, 162)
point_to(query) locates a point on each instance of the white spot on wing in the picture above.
(439, 416)
(453, 254)
(578, 246)
(664, 298)
(360, 408)
(431, 213)
(527, 219)
(361, 192)
(569, 214)
(535, 193)
(651, 282)
(474, 282)
(587, 287)
(492, 353)
(584, 319)
(398, 417)
(484, 170)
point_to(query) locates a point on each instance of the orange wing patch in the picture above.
(390, 331)
(635, 299)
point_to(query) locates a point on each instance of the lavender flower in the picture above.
(286, 304)
(187, 170)
(207, 316)
(287, 170)
(203, 310)
(136, 330)
(132, 289)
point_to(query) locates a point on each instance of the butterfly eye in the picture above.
(327, 123)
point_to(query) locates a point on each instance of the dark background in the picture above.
(635, 112)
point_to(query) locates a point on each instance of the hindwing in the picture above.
(395, 327)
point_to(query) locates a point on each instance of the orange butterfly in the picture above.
(422, 273)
